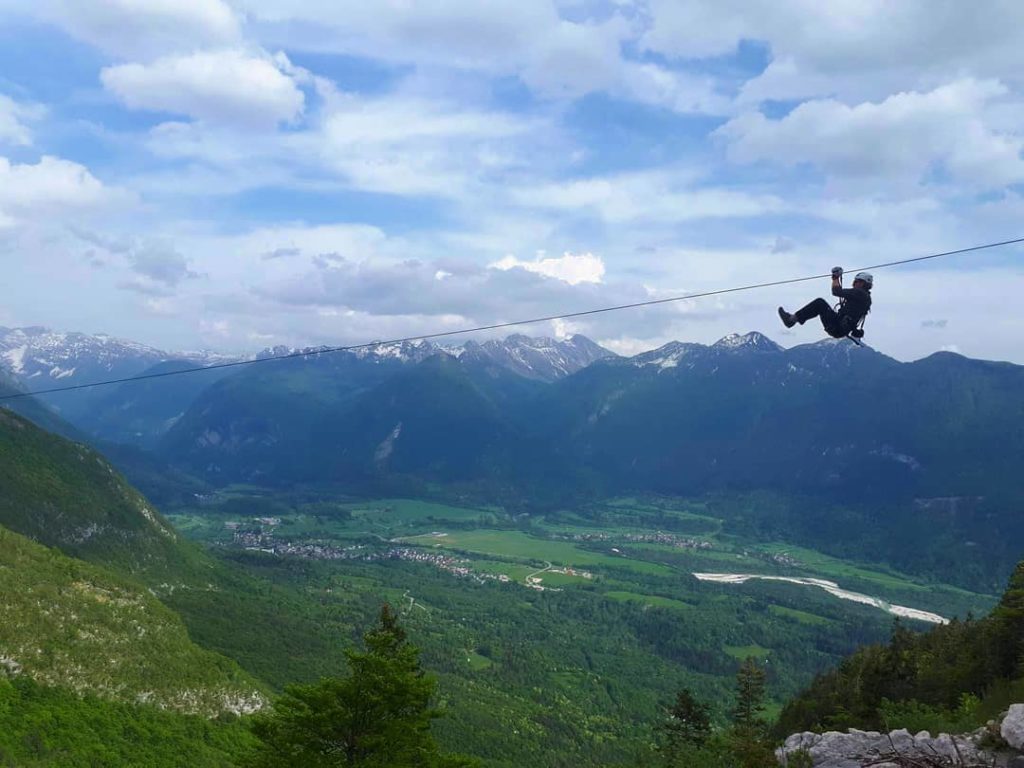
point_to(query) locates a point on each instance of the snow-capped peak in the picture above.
(748, 341)
(536, 358)
(36, 354)
(403, 351)
(666, 356)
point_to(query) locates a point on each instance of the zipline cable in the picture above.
(498, 326)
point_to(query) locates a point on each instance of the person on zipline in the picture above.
(854, 304)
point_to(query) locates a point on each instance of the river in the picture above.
(833, 589)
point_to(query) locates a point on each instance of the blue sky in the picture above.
(234, 174)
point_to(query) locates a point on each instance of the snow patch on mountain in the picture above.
(403, 351)
(540, 358)
(16, 359)
(37, 353)
(752, 341)
(666, 357)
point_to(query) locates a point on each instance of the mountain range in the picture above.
(742, 413)
(139, 413)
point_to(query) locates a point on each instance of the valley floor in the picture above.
(567, 634)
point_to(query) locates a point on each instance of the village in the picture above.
(658, 537)
(261, 540)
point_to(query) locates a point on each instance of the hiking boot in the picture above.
(788, 320)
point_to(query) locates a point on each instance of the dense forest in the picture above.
(952, 677)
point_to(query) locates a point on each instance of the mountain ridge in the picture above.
(640, 413)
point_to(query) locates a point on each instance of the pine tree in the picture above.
(379, 715)
(750, 745)
(750, 682)
(689, 720)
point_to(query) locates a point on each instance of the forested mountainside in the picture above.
(685, 418)
(682, 419)
(950, 678)
(66, 495)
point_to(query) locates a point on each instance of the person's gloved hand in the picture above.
(837, 271)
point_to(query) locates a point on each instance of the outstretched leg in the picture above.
(820, 308)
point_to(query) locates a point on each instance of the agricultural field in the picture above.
(626, 549)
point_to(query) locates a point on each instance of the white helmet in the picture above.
(866, 277)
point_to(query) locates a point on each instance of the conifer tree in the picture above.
(378, 715)
(750, 681)
(689, 721)
(750, 745)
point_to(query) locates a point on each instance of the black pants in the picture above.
(833, 323)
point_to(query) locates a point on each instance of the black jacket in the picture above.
(856, 304)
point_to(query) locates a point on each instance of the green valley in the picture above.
(540, 624)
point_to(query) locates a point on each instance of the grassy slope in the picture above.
(73, 624)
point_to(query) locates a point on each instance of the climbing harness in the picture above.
(855, 334)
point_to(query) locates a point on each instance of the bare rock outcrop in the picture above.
(900, 749)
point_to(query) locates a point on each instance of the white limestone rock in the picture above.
(1012, 728)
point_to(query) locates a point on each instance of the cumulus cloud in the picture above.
(411, 288)
(558, 55)
(908, 136)
(357, 300)
(51, 186)
(862, 51)
(15, 119)
(223, 86)
(569, 268)
(142, 29)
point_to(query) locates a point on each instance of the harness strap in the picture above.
(856, 333)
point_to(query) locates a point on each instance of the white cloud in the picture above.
(570, 268)
(14, 120)
(144, 28)
(49, 186)
(556, 56)
(855, 49)
(415, 146)
(226, 86)
(908, 137)
(653, 196)
(399, 144)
